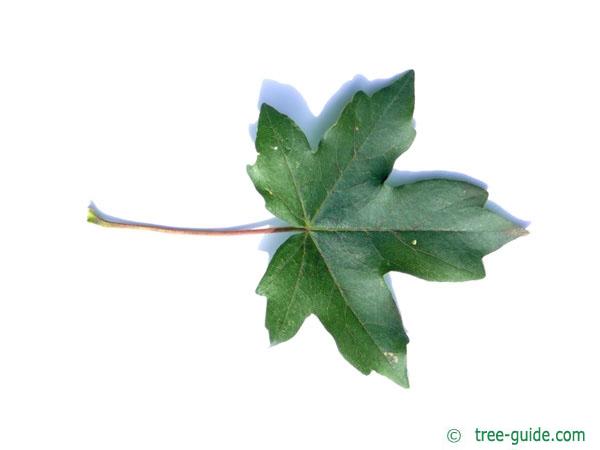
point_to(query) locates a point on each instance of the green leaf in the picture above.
(355, 227)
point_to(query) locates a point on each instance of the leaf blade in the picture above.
(357, 227)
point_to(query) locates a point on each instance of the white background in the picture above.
(116, 339)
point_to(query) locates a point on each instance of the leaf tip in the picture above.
(397, 370)
(518, 231)
(405, 77)
(273, 342)
(266, 108)
(273, 338)
(403, 382)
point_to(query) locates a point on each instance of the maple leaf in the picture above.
(354, 227)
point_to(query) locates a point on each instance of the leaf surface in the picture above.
(355, 227)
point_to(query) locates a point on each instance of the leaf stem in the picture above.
(96, 216)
